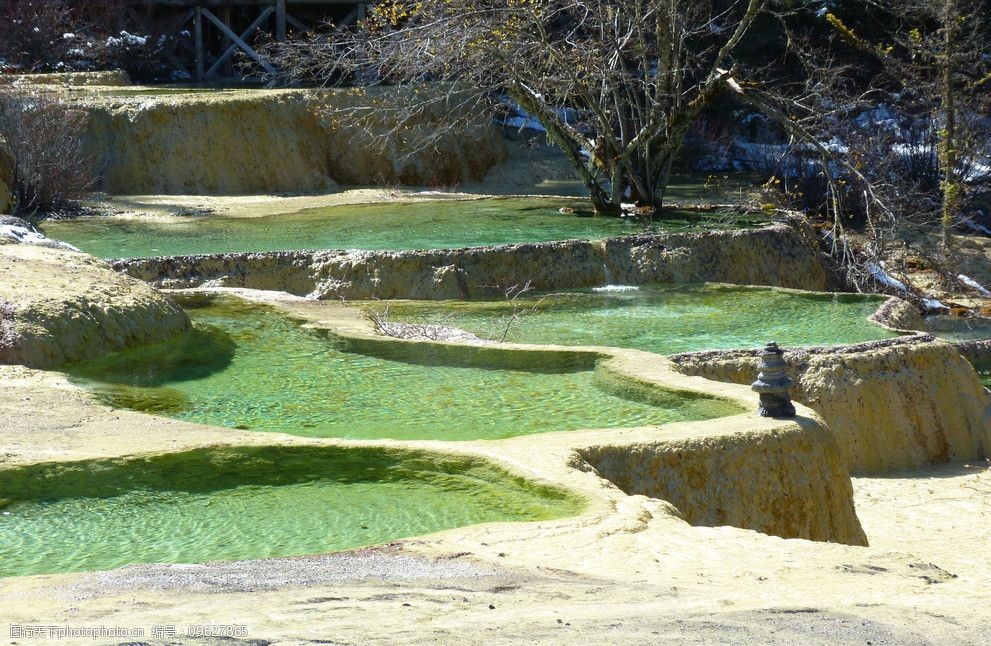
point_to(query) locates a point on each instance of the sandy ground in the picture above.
(532, 169)
(254, 205)
(923, 581)
(933, 514)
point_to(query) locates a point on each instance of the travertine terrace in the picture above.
(738, 529)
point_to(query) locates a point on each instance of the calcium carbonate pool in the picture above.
(240, 503)
(666, 319)
(392, 226)
(247, 366)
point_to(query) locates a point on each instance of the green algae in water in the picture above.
(954, 328)
(257, 502)
(248, 367)
(963, 329)
(421, 225)
(960, 329)
(666, 319)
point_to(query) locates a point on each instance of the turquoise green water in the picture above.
(662, 318)
(424, 225)
(247, 367)
(248, 503)
(159, 90)
(955, 328)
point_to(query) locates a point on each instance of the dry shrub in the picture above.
(52, 171)
(33, 34)
(87, 35)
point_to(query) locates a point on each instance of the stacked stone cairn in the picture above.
(773, 384)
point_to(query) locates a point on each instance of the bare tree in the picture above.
(52, 171)
(932, 73)
(891, 132)
(616, 83)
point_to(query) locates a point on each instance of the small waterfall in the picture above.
(609, 286)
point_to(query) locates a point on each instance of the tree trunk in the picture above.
(663, 180)
(602, 202)
(616, 181)
(558, 132)
(948, 143)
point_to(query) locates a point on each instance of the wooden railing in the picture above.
(274, 17)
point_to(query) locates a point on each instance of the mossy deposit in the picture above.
(265, 141)
(891, 405)
(58, 306)
(779, 255)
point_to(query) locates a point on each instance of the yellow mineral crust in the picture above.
(111, 78)
(776, 255)
(899, 315)
(264, 141)
(58, 306)
(891, 405)
(783, 481)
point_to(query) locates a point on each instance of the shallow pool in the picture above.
(223, 504)
(420, 225)
(958, 328)
(666, 319)
(246, 366)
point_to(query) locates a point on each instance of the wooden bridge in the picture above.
(219, 29)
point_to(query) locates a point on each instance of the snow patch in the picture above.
(126, 39)
(932, 305)
(973, 284)
(20, 234)
(883, 277)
